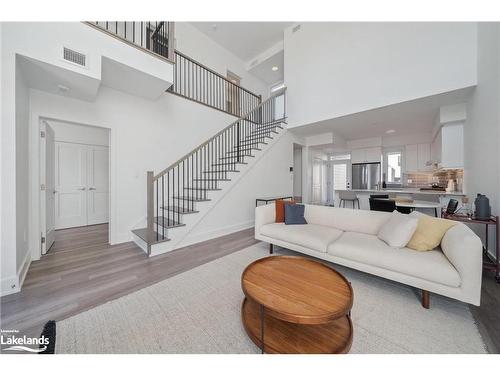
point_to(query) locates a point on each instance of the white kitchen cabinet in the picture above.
(366, 155)
(452, 146)
(424, 155)
(411, 157)
(373, 154)
(448, 146)
(358, 155)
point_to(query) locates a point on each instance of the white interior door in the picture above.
(98, 185)
(50, 188)
(47, 179)
(71, 185)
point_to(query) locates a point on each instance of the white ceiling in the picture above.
(264, 70)
(244, 39)
(415, 116)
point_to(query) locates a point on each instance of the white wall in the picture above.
(192, 42)
(335, 69)
(482, 128)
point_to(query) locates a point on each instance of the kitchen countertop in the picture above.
(406, 191)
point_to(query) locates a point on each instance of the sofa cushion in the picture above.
(398, 230)
(368, 249)
(294, 214)
(314, 237)
(430, 231)
(346, 219)
(280, 209)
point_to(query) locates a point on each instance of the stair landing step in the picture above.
(167, 222)
(179, 210)
(142, 233)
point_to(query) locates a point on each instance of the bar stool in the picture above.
(345, 195)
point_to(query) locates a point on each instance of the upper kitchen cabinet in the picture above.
(448, 146)
(366, 155)
(417, 157)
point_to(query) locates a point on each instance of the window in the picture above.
(393, 167)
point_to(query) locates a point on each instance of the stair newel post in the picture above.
(150, 208)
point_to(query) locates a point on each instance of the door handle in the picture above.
(82, 188)
(92, 188)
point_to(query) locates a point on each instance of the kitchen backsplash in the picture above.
(441, 177)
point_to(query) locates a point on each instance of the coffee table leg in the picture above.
(262, 328)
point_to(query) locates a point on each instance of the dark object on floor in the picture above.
(382, 205)
(49, 331)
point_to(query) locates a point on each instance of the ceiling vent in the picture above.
(74, 57)
(296, 28)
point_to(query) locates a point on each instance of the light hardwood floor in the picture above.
(82, 270)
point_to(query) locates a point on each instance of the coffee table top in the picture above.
(297, 289)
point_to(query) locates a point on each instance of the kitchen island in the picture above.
(442, 197)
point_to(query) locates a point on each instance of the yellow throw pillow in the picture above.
(429, 233)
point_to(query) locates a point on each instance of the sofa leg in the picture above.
(270, 248)
(425, 299)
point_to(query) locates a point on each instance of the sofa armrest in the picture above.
(464, 250)
(265, 214)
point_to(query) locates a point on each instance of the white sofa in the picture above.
(349, 237)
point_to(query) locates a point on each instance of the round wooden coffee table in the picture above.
(296, 305)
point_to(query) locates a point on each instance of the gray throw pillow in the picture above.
(294, 214)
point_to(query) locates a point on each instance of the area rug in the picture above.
(198, 311)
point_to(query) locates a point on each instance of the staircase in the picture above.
(182, 193)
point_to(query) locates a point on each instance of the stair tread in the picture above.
(237, 162)
(221, 171)
(202, 188)
(190, 198)
(212, 179)
(232, 157)
(167, 222)
(142, 233)
(179, 209)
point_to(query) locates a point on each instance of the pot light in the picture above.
(390, 131)
(274, 68)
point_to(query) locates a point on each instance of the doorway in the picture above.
(232, 94)
(338, 176)
(74, 176)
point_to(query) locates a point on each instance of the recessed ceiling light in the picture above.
(390, 131)
(63, 88)
(274, 68)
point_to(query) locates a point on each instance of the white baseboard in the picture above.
(11, 285)
(209, 235)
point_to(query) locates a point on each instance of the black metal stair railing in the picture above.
(175, 191)
(195, 81)
(155, 37)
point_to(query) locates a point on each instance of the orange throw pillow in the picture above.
(280, 209)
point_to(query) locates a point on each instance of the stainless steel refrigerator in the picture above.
(365, 175)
